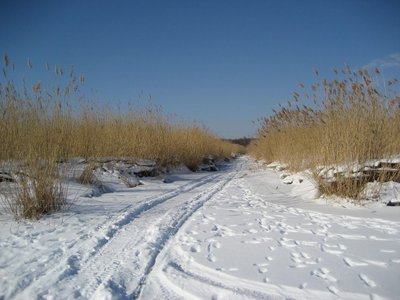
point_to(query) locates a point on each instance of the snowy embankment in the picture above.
(238, 233)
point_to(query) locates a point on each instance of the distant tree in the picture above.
(244, 141)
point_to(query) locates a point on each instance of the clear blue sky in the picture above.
(225, 63)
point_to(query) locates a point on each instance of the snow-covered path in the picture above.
(122, 264)
(116, 259)
(239, 233)
(254, 240)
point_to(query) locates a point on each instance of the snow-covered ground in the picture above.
(239, 233)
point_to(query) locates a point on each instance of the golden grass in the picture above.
(37, 192)
(356, 121)
(40, 126)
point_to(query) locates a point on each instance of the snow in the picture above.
(388, 192)
(238, 233)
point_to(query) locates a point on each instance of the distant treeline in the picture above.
(242, 141)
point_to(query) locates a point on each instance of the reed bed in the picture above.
(352, 120)
(40, 128)
(30, 129)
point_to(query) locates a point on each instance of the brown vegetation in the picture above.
(352, 120)
(39, 128)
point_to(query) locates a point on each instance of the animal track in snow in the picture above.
(261, 264)
(222, 231)
(211, 258)
(269, 258)
(303, 285)
(323, 273)
(263, 270)
(333, 289)
(330, 249)
(352, 263)
(217, 245)
(301, 260)
(287, 243)
(195, 248)
(367, 281)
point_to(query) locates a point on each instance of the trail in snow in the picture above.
(62, 262)
(122, 258)
(236, 234)
(242, 244)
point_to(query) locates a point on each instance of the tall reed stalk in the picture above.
(352, 120)
(39, 128)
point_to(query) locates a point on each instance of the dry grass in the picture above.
(352, 121)
(38, 125)
(38, 192)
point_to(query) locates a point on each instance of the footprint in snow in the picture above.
(352, 263)
(330, 249)
(324, 270)
(211, 258)
(295, 254)
(303, 285)
(262, 270)
(301, 260)
(261, 264)
(222, 231)
(323, 273)
(269, 258)
(287, 243)
(333, 289)
(217, 245)
(305, 255)
(367, 281)
(195, 249)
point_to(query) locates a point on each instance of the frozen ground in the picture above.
(240, 233)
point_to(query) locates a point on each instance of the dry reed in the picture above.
(39, 128)
(352, 120)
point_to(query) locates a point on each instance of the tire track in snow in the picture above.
(178, 220)
(121, 265)
(63, 268)
(318, 247)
